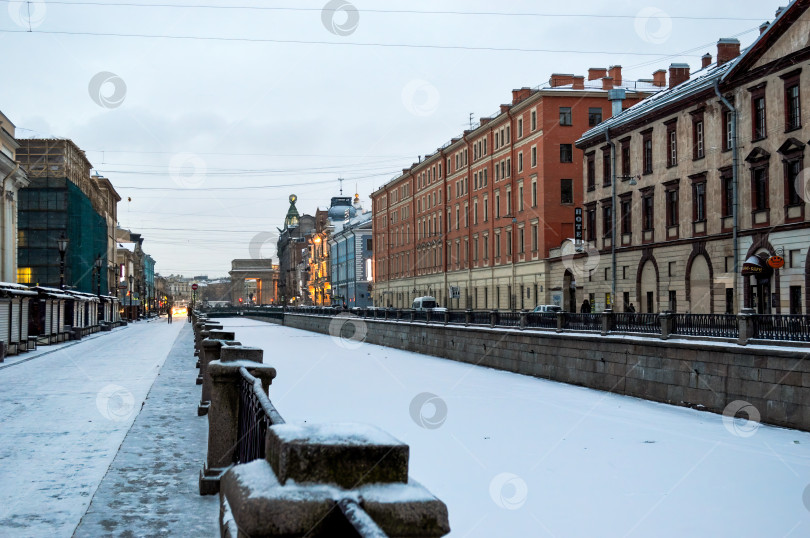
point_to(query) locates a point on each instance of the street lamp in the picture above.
(97, 264)
(130, 296)
(62, 244)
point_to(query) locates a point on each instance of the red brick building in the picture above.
(473, 222)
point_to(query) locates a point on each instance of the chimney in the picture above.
(615, 71)
(595, 73)
(607, 83)
(706, 61)
(728, 48)
(678, 73)
(504, 108)
(521, 94)
(484, 121)
(560, 79)
(579, 83)
(616, 98)
(660, 78)
(764, 26)
(780, 10)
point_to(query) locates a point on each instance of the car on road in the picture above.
(427, 303)
(547, 308)
(179, 311)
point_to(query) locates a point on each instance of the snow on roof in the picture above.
(699, 81)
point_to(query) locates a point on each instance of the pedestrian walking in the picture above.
(631, 308)
(169, 313)
(586, 307)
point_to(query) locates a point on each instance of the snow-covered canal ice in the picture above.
(512, 455)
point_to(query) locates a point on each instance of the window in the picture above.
(475, 212)
(497, 205)
(625, 153)
(520, 128)
(728, 131)
(508, 167)
(520, 162)
(508, 243)
(796, 300)
(486, 209)
(534, 193)
(648, 152)
(486, 247)
(590, 216)
(534, 156)
(672, 206)
(759, 188)
(520, 197)
(793, 109)
(607, 221)
(647, 210)
(607, 171)
(566, 153)
(508, 202)
(23, 275)
(758, 112)
(565, 115)
(534, 120)
(672, 144)
(534, 237)
(792, 170)
(698, 139)
(594, 116)
(591, 171)
(727, 184)
(497, 245)
(699, 200)
(566, 191)
(521, 244)
(626, 215)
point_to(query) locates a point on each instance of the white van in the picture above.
(423, 304)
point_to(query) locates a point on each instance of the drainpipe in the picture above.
(616, 97)
(734, 187)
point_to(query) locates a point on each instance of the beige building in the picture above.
(14, 178)
(705, 195)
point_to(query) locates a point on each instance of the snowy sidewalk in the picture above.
(63, 416)
(151, 487)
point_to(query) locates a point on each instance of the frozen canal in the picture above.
(516, 456)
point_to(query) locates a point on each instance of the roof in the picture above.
(9, 288)
(53, 293)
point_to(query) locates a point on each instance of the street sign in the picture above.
(194, 287)
(776, 262)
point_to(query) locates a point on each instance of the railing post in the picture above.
(428, 317)
(607, 321)
(412, 315)
(467, 317)
(210, 352)
(446, 317)
(666, 319)
(745, 326)
(223, 414)
(493, 318)
(560, 321)
(523, 319)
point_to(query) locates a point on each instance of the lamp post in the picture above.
(97, 264)
(130, 296)
(62, 244)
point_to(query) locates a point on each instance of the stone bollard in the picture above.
(666, 319)
(223, 413)
(446, 317)
(745, 325)
(607, 321)
(560, 321)
(493, 318)
(211, 350)
(311, 472)
(523, 319)
(202, 333)
(467, 317)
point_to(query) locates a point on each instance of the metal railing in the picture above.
(781, 327)
(509, 319)
(256, 414)
(717, 325)
(636, 323)
(775, 327)
(583, 322)
(541, 320)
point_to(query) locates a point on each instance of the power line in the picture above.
(338, 43)
(390, 11)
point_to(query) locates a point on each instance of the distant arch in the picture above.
(642, 286)
(699, 251)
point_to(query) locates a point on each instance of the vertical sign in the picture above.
(578, 228)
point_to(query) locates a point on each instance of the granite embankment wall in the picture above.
(705, 375)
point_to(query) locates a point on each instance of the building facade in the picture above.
(14, 178)
(350, 256)
(710, 186)
(473, 223)
(62, 199)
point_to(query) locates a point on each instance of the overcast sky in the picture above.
(208, 116)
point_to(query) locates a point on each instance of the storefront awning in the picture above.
(756, 266)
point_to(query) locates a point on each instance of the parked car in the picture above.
(427, 303)
(547, 308)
